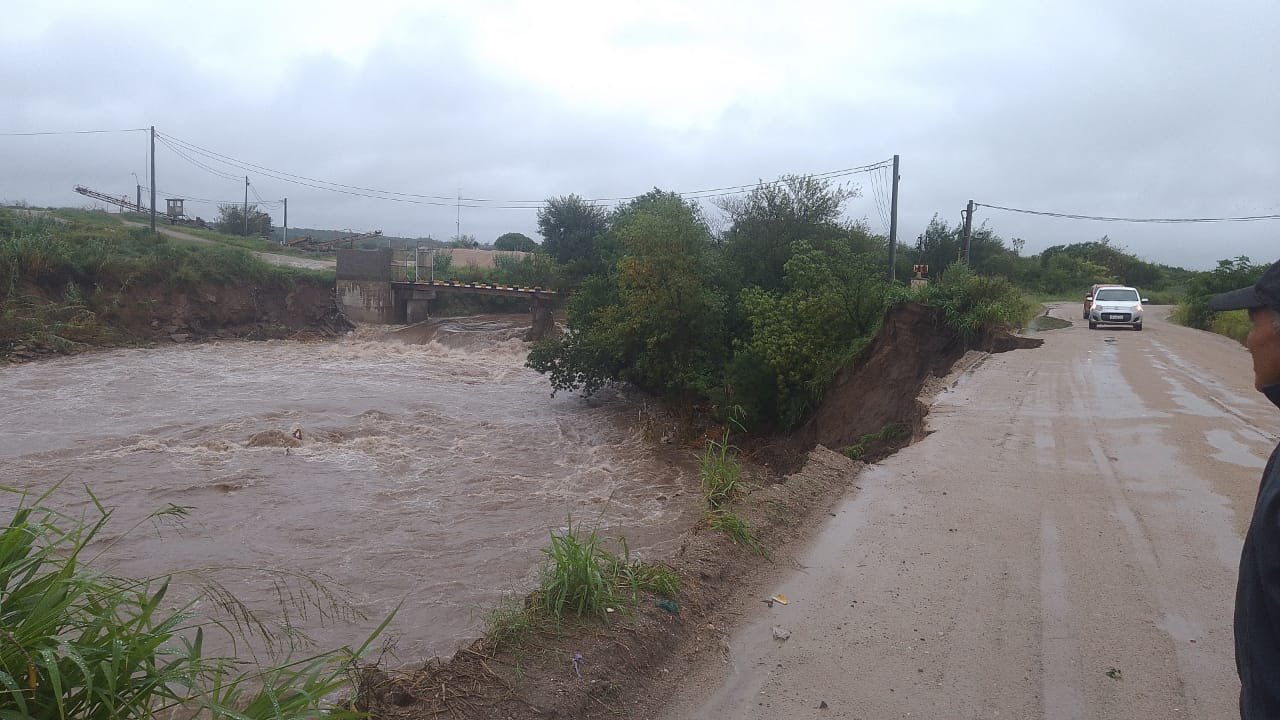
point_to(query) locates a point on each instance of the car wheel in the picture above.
(1093, 325)
(1137, 326)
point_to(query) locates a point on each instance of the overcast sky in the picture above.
(1135, 108)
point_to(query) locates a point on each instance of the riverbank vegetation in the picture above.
(80, 643)
(70, 282)
(752, 322)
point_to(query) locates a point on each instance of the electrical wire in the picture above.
(197, 163)
(467, 202)
(70, 132)
(1102, 218)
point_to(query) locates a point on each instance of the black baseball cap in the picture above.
(1264, 293)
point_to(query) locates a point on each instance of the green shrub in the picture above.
(972, 304)
(1234, 324)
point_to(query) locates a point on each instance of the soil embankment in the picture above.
(140, 315)
(630, 658)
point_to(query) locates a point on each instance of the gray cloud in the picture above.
(1130, 109)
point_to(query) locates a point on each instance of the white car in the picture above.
(1116, 305)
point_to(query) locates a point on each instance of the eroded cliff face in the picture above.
(879, 389)
(153, 314)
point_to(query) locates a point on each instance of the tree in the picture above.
(231, 220)
(515, 242)
(773, 216)
(656, 321)
(800, 337)
(572, 232)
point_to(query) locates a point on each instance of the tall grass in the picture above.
(79, 643)
(583, 578)
(720, 473)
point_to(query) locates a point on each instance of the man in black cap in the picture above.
(1258, 590)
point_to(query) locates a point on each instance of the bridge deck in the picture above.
(537, 293)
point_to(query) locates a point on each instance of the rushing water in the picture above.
(433, 465)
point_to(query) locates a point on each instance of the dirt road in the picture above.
(284, 260)
(1063, 545)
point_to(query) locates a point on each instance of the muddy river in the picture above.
(433, 464)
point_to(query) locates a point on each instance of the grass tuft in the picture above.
(720, 472)
(583, 578)
(726, 522)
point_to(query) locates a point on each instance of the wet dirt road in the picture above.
(1063, 545)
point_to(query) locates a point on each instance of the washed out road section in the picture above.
(1063, 545)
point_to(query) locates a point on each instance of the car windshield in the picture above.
(1116, 295)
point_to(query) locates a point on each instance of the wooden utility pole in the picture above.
(285, 241)
(246, 206)
(893, 225)
(153, 178)
(968, 233)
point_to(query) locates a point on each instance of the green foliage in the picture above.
(1194, 310)
(1234, 324)
(83, 644)
(832, 301)
(514, 241)
(720, 473)
(721, 520)
(1117, 265)
(231, 220)
(767, 221)
(583, 578)
(573, 232)
(655, 321)
(972, 303)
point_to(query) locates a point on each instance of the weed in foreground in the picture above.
(509, 623)
(84, 644)
(582, 577)
(737, 530)
(720, 472)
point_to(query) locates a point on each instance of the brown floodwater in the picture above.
(432, 468)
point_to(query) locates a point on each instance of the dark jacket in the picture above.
(1258, 598)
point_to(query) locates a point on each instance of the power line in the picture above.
(197, 163)
(1101, 218)
(69, 132)
(453, 201)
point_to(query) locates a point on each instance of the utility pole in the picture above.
(893, 225)
(968, 233)
(139, 202)
(285, 241)
(153, 179)
(246, 206)
(458, 236)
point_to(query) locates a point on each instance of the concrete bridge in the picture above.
(373, 286)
